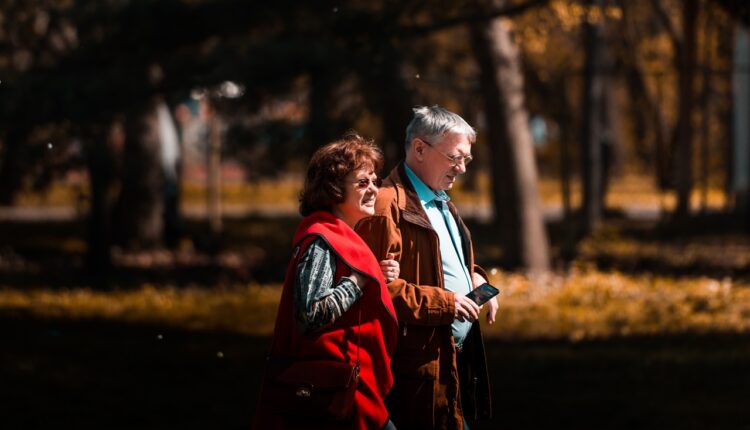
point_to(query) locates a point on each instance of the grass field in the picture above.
(588, 305)
(648, 327)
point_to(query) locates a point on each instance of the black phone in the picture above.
(482, 293)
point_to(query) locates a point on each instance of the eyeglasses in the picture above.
(361, 184)
(456, 160)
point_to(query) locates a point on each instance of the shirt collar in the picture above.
(426, 195)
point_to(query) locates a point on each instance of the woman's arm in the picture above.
(318, 302)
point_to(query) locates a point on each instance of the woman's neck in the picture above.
(347, 220)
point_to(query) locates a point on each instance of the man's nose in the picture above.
(460, 167)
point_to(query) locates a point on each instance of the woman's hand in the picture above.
(390, 267)
(358, 279)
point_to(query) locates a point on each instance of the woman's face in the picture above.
(361, 188)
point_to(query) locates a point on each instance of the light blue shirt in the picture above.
(456, 277)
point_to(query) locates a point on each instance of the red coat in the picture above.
(378, 329)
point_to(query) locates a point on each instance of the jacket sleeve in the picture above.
(319, 300)
(414, 304)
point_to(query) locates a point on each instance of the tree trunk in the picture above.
(728, 39)
(141, 203)
(319, 121)
(564, 120)
(514, 173)
(591, 133)
(611, 143)
(103, 171)
(214, 176)
(396, 105)
(740, 126)
(684, 150)
(706, 115)
(10, 164)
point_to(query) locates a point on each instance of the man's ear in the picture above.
(418, 147)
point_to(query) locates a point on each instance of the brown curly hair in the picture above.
(329, 165)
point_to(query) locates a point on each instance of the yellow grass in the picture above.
(246, 309)
(629, 190)
(583, 304)
(592, 304)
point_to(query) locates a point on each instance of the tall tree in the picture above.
(684, 150)
(592, 130)
(103, 150)
(140, 206)
(649, 125)
(514, 173)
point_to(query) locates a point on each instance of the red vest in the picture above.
(377, 325)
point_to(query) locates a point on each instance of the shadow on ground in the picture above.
(99, 374)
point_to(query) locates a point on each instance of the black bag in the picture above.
(312, 388)
(315, 388)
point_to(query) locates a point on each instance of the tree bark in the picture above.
(103, 171)
(319, 120)
(591, 133)
(391, 97)
(141, 204)
(564, 120)
(214, 176)
(728, 39)
(514, 172)
(684, 150)
(705, 115)
(10, 164)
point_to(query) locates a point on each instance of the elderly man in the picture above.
(439, 364)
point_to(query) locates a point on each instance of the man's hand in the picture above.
(492, 303)
(466, 309)
(390, 268)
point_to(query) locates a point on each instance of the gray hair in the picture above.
(432, 123)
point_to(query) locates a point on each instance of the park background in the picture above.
(152, 152)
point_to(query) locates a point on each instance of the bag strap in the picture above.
(359, 326)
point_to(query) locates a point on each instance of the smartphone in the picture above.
(482, 293)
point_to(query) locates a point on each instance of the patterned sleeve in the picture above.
(318, 303)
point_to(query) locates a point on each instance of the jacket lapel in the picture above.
(408, 198)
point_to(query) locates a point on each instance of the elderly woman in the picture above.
(335, 308)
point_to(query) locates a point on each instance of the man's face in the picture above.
(443, 160)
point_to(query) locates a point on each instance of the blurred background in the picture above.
(152, 152)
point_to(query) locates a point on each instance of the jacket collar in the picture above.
(425, 193)
(408, 201)
(407, 198)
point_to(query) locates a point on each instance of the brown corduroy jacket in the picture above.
(425, 394)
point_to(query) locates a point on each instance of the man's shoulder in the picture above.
(387, 201)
